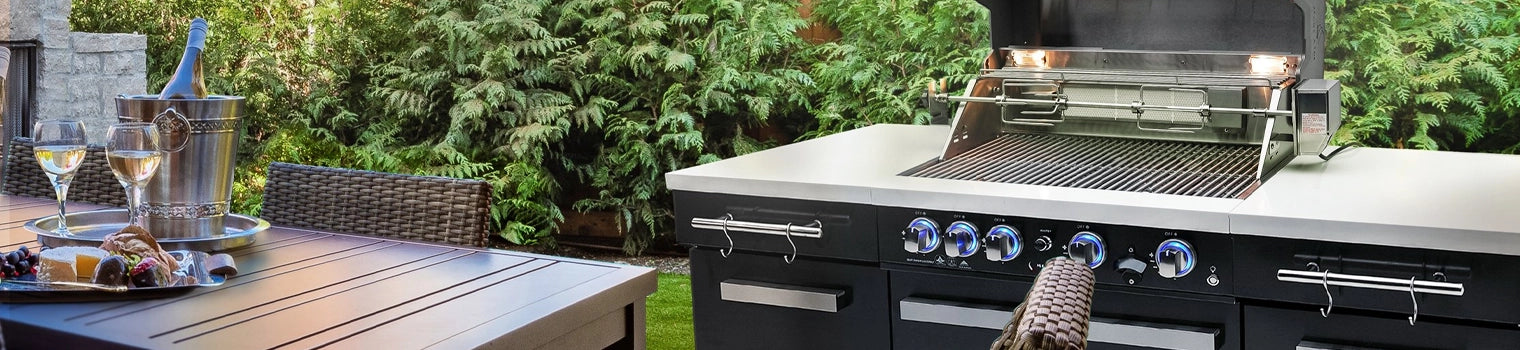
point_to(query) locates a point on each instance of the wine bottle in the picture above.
(187, 81)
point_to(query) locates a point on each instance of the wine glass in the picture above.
(132, 149)
(60, 149)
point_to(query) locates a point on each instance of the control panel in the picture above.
(1119, 254)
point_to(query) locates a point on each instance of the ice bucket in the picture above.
(190, 195)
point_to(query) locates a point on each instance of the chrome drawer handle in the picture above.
(1326, 279)
(782, 295)
(727, 223)
(811, 231)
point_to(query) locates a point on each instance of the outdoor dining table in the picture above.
(300, 288)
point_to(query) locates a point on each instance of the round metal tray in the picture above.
(90, 227)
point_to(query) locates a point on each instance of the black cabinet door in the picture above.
(758, 301)
(1304, 328)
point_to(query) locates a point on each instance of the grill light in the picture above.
(1268, 64)
(1029, 58)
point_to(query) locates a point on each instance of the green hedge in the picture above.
(585, 104)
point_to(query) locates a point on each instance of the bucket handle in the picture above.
(173, 129)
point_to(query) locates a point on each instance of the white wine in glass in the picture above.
(134, 167)
(60, 149)
(59, 160)
(132, 150)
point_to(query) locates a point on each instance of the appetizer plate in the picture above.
(88, 228)
(194, 264)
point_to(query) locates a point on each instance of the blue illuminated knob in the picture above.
(1086, 247)
(966, 240)
(1175, 258)
(1003, 243)
(921, 236)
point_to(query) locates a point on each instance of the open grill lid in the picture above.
(1182, 97)
(1259, 26)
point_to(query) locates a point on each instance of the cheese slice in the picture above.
(68, 264)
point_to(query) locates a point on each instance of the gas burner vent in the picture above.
(1212, 170)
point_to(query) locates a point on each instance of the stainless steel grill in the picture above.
(1214, 170)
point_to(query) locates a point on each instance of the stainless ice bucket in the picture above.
(190, 195)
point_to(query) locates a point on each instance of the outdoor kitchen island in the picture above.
(1414, 248)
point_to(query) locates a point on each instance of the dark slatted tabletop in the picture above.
(310, 289)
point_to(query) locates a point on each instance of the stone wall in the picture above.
(80, 73)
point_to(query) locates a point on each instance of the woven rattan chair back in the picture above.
(93, 183)
(1054, 314)
(426, 208)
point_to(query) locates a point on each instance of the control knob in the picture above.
(1003, 243)
(1086, 247)
(964, 238)
(1175, 258)
(921, 236)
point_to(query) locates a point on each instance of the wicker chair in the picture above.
(428, 208)
(93, 183)
(1054, 314)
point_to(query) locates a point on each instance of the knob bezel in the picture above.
(960, 235)
(1099, 250)
(928, 230)
(1015, 243)
(1188, 260)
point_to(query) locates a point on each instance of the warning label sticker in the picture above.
(1313, 123)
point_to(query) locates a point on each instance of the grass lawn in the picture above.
(669, 314)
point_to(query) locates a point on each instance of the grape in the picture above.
(25, 253)
(6, 269)
(25, 267)
(13, 257)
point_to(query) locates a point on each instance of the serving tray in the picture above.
(90, 227)
(193, 263)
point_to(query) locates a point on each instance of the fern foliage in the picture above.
(889, 52)
(584, 105)
(1428, 74)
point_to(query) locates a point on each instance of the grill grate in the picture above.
(1153, 166)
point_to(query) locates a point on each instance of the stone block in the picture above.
(131, 85)
(26, 20)
(84, 87)
(122, 63)
(87, 63)
(102, 42)
(54, 60)
(52, 85)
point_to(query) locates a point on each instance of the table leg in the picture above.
(635, 328)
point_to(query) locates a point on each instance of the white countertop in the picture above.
(1406, 198)
(1433, 200)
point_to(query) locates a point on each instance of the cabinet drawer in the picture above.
(757, 224)
(932, 310)
(1281, 328)
(758, 301)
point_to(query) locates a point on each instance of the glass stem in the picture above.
(61, 188)
(134, 205)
